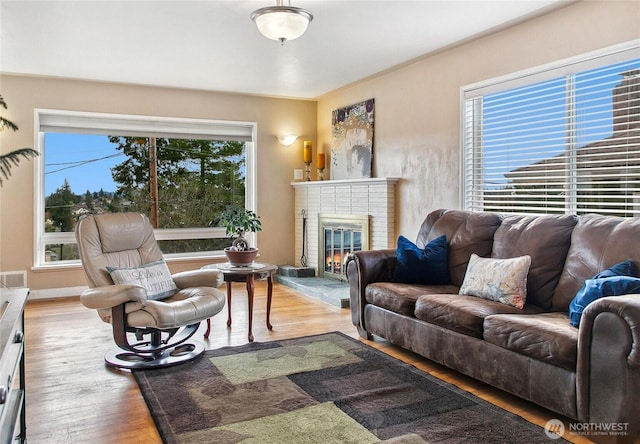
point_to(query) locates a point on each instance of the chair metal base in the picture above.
(184, 352)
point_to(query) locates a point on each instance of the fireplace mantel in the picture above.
(374, 197)
(348, 182)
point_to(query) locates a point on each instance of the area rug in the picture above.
(325, 389)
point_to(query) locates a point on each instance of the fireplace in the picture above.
(338, 237)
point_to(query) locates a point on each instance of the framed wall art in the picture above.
(352, 141)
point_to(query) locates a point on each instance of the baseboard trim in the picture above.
(53, 293)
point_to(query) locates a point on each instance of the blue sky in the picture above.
(96, 150)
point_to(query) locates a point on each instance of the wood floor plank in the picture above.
(72, 397)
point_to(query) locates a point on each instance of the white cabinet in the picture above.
(12, 381)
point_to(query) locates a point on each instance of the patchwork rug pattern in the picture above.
(324, 389)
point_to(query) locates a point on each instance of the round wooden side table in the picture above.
(250, 274)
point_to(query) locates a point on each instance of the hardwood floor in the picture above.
(72, 397)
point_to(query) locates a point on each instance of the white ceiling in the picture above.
(213, 45)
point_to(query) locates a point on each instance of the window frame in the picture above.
(126, 124)
(471, 98)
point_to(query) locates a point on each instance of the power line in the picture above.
(79, 163)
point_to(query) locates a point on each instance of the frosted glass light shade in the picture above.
(287, 139)
(282, 23)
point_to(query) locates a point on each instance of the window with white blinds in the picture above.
(562, 139)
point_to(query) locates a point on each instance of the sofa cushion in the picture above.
(597, 242)
(427, 266)
(467, 232)
(500, 280)
(461, 313)
(597, 288)
(546, 239)
(547, 337)
(401, 298)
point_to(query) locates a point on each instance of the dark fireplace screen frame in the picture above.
(338, 237)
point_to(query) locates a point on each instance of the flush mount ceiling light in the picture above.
(281, 22)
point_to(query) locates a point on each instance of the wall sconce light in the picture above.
(287, 139)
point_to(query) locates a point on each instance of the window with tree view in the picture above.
(181, 183)
(562, 140)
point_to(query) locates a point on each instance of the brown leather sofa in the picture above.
(589, 374)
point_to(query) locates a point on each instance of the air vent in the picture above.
(13, 279)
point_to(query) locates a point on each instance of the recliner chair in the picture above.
(153, 313)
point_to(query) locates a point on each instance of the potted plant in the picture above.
(238, 221)
(12, 158)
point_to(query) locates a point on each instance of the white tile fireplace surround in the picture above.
(374, 198)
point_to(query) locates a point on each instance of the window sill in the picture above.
(75, 265)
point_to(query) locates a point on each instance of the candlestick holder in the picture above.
(320, 173)
(307, 171)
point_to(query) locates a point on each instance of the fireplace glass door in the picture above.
(340, 236)
(338, 244)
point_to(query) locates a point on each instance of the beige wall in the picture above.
(275, 162)
(417, 130)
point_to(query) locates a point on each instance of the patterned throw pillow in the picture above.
(154, 277)
(501, 280)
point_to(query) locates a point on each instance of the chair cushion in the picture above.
(401, 298)
(187, 306)
(461, 313)
(544, 337)
(501, 280)
(427, 266)
(154, 277)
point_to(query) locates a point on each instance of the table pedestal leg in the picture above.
(228, 304)
(269, 293)
(250, 289)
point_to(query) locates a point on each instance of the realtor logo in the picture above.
(554, 429)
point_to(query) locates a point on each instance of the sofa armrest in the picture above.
(364, 268)
(608, 371)
(111, 296)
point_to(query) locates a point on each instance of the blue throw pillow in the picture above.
(428, 266)
(594, 289)
(622, 269)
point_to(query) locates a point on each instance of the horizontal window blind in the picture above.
(567, 144)
(142, 126)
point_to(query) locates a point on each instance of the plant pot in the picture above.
(241, 258)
